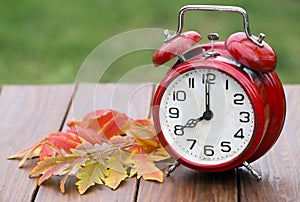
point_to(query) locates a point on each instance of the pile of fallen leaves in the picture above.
(105, 147)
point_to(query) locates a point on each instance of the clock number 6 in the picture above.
(208, 150)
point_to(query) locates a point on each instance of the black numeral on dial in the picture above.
(239, 134)
(238, 99)
(193, 141)
(174, 112)
(179, 95)
(209, 78)
(225, 146)
(191, 82)
(245, 117)
(208, 150)
(178, 130)
(226, 84)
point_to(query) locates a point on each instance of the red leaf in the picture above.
(107, 122)
(46, 151)
(89, 135)
(61, 140)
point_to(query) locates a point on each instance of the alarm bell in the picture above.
(262, 59)
(175, 47)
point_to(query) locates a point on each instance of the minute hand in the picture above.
(208, 114)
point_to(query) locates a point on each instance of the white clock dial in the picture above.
(206, 116)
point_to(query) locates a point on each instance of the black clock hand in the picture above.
(191, 123)
(208, 114)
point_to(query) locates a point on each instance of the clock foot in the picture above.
(172, 168)
(252, 171)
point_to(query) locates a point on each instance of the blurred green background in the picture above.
(47, 41)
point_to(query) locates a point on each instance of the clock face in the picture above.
(206, 117)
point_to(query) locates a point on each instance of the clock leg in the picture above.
(172, 168)
(252, 171)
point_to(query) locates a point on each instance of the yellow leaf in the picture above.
(116, 172)
(93, 172)
(49, 162)
(114, 178)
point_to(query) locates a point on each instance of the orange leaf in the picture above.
(145, 167)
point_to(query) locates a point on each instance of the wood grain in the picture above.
(185, 184)
(132, 99)
(28, 114)
(280, 166)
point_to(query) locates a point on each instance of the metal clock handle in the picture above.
(256, 40)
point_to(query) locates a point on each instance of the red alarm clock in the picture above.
(221, 105)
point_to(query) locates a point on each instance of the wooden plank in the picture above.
(132, 99)
(280, 166)
(185, 184)
(28, 114)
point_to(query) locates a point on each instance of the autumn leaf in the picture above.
(105, 147)
(55, 143)
(108, 122)
(144, 167)
(115, 172)
(92, 172)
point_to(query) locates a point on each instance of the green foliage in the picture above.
(47, 41)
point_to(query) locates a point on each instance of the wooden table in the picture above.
(29, 113)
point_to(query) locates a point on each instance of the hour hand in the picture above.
(191, 123)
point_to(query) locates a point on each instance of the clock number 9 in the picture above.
(174, 112)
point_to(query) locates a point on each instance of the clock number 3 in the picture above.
(245, 117)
